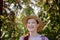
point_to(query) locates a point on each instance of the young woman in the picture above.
(33, 24)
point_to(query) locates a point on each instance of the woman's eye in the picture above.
(28, 22)
(33, 22)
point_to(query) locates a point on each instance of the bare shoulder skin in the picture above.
(21, 38)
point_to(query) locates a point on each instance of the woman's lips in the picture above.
(31, 27)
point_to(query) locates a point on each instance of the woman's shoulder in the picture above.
(44, 37)
(22, 37)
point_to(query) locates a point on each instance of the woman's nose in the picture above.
(30, 24)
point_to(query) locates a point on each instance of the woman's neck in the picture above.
(33, 34)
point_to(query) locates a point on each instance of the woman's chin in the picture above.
(31, 30)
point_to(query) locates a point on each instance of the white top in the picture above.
(37, 38)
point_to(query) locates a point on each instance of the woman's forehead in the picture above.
(31, 19)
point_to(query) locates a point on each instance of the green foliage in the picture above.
(12, 27)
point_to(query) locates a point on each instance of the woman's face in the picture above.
(32, 25)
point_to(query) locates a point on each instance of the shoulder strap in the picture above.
(26, 37)
(43, 37)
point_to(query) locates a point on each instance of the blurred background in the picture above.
(14, 10)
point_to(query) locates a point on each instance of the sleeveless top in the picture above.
(42, 37)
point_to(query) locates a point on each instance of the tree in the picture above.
(14, 10)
